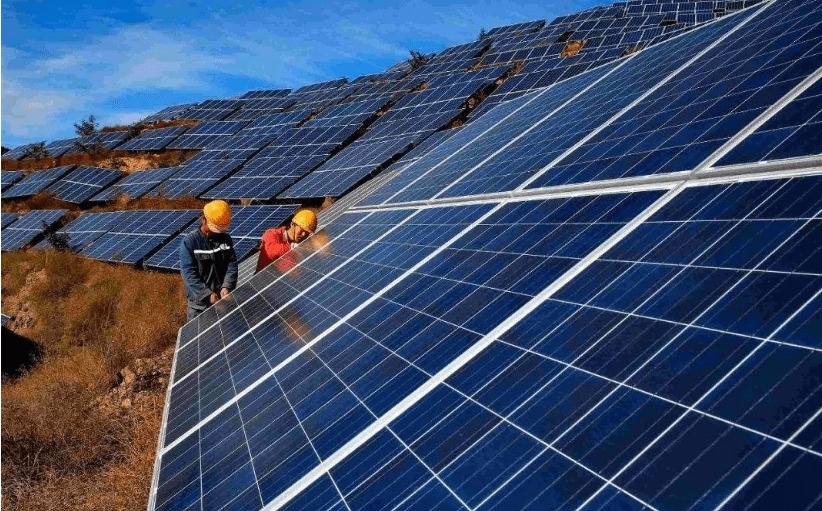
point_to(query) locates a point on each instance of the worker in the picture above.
(208, 263)
(277, 242)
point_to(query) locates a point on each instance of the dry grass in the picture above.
(153, 126)
(127, 161)
(59, 450)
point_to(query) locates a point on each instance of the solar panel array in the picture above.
(136, 184)
(79, 185)
(296, 152)
(213, 109)
(36, 182)
(153, 139)
(28, 227)
(106, 140)
(9, 177)
(137, 234)
(554, 306)
(407, 123)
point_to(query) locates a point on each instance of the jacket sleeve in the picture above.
(191, 278)
(230, 280)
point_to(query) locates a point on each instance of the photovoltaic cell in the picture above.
(170, 113)
(28, 227)
(79, 185)
(195, 178)
(137, 234)
(36, 182)
(136, 184)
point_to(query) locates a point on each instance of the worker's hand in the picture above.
(213, 298)
(224, 292)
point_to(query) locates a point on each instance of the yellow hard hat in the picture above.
(306, 219)
(218, 215)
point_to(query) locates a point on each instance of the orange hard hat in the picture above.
(306, 219)
(218, 215)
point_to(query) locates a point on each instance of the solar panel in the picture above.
(170, 113)
(137, 234)
(247, 226)
(8, 219)
(106, 140)
(136, 184)
(153, 140)
(61, 147)
(79, 185)
(199, 174)
(36, 182)
(265, 93)
(19, 152)
(214, 109)
(28, 227)
(275, 124)
(206, 134)
(85, 229)
(792, 133)
(10, 177)
(5, 319)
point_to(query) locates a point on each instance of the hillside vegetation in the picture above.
(79, 428)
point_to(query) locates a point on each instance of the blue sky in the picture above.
(121, 61)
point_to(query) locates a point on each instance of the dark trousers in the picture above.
(194, 309)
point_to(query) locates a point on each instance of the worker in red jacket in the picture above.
(278, 242)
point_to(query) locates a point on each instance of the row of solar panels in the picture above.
(150, 238)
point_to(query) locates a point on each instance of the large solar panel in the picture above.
(85, 229)
(9, 177)
(207, 133)
(137, 234)
(265, 93)
(247, 226)
(213, 109)
(28, 227)
(36, 182)
(625, 344)
(79, 185)
(153, 139)
(136, 184)
(105, 140)
(275, 124)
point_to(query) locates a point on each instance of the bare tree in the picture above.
(86, 129)
(418, 59)
(36, 151)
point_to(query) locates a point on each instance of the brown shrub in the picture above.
(105, 158)
(59, 449)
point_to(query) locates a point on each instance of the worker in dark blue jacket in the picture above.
(208, 263)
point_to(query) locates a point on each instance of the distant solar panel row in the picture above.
(28, 227)
(153, 139)
(36, 182)
(9, 177)
(136, 184)
(79, 185)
